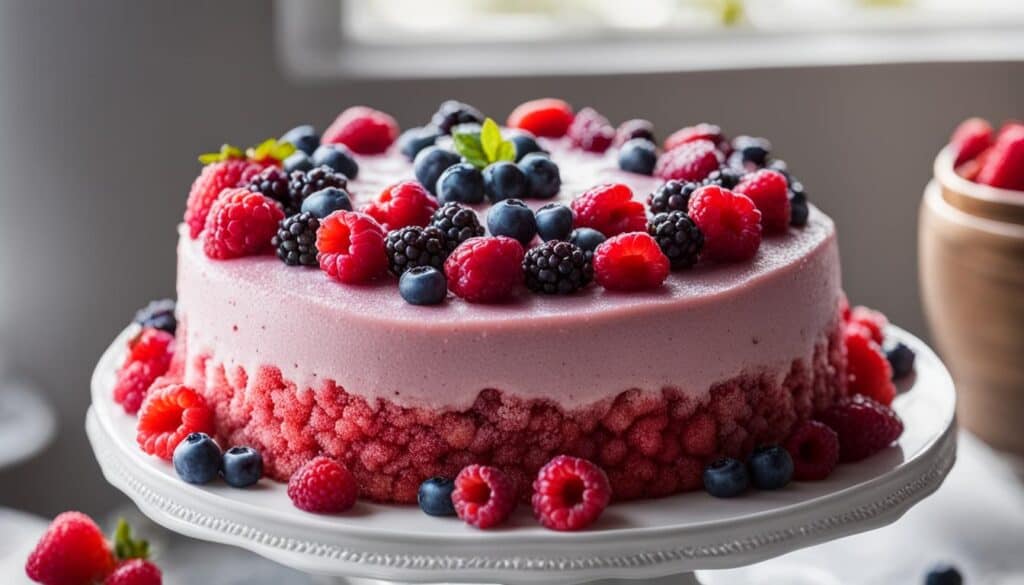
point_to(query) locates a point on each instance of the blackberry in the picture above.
(452, 113)
(678, 237)
(272, 182)
(557, 267)
(458, 222)
(413, 246)
(672, 196)
(302, 184)
(295, 240)
(725, 177)
(158, 314)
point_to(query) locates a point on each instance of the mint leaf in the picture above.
(490, 139)
(227, 152)
(507, 151)
(469, 145)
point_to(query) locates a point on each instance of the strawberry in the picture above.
(1004, 166)
(972, 136)
(72, 551)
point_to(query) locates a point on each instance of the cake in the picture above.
(648, 384)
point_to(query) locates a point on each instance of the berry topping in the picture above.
(213, 179)
(702, 131)
(413, 140)
(72, 551)
(943, 575)
(298, 161)
(152, 346)
(459, 223)
(304, 183)
(590, 131)
(169, 414)
(635, 128)
(452, 113)
(771, 467)
(869, 370)
(690, 161)
(485, 270)
(351, 247)
(483, 496)
(135, 572)
(197, 459)
(570, 493)
(323, 486)
(435, 496)
(272, 182)
(724, 177)
(512, 218)
(241, 223)
(770, 193)
(873, 320)
(158, 314)
(242, 466)
(414, 246)
(901, 359)
(864, 427)
(546, 117)
(814, 448)
(672, 196)
(338, 158)
(430, 163)
(610, 209)
(587, 239)
(679, 238)
(525, 144)
(726, 478)
(402, 204)
(504, 180)
(326, 201)
(296, 240)
(554, 222)
(799, 212)
(631, 261)
(542, 177)
(132, 384)
(731, 224)
(461, 183)
(557, 267)
(423, 285)
(639, 155)
(970, 138)
(1004, 164)
(363, 129)
(304, 138)
(750, 152)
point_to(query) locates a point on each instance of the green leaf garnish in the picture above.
(486, 147)
(271, 148)
(126, 547)
(227, 152)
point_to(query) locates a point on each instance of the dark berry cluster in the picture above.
(678, 237)
(557, 267)
(295, 240)
(302, 184)
(414, 246)
(273, 182)
(671, 196)
(457, 222)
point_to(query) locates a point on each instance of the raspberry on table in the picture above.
(168, 415)
(814, 448)
(241, 223)
(362, 129)
(864, 427)
(590, 131)
(213, 179)
(690, 161)
(557, 267)
(485, 270)
(414, 246)
(631, 261)
(351, 247)
(72, 551)
(303, 184)
(870, 373)
(678, 236)
(547, 117)
(702, 131)
(671, 196)
(770, 193)
(458, 222)
(402, 204)
(323, 486)
(484, 496)
(570, 493)
(135, 572)
(295, 240)
(731, 223)
(609, 209)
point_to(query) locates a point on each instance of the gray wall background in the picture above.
(103, 106)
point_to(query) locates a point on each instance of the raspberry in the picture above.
(402, 204)
(609, 209)
(547, 117)
(135, 572)
(323, 486)
(213, 179)
(483, 496)
(570, 493)
(678, 237)
(814, 448)
(869, 371)
(632, 261)
(873, 320)
(1004, 165)
(350, 247)
(133, 382)
(731, 224)
(169, 414)
(363, 129)
(690, 161)
(458, 222)
(153, 346)
(72, 551)
(702, 131)
(970, 138)
(485, 270)
(241, 223)
(864, 426)
(591, 131)
(769, 191)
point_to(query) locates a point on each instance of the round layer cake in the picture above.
(650, 385)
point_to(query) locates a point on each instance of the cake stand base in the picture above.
(681, 579)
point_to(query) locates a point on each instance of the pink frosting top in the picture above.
(705, 325)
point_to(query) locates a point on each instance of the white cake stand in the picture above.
(655, 542)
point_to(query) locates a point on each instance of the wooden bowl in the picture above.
(971, 245)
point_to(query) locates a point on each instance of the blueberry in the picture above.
(512, 218)
(462, 183)
(430, 163)
(525, 144)
(587, 239)
(504, 180)
(326, 201)
(435, 496)
(542, 178)
(943, 575)
(798, 209)
(771, 467)
(752, 150)
(638, 155)
(554, 222)
(297, 161)
(197, 459)
(901, 358)
(726, 478)
(423, 285)
(413, 140)
(338, 157)
(158, 314)
(303, 137)
(243, 466)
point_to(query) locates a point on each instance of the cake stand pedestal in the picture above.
(657, 542)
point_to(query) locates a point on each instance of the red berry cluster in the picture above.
(987, 157)
(149, 357)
